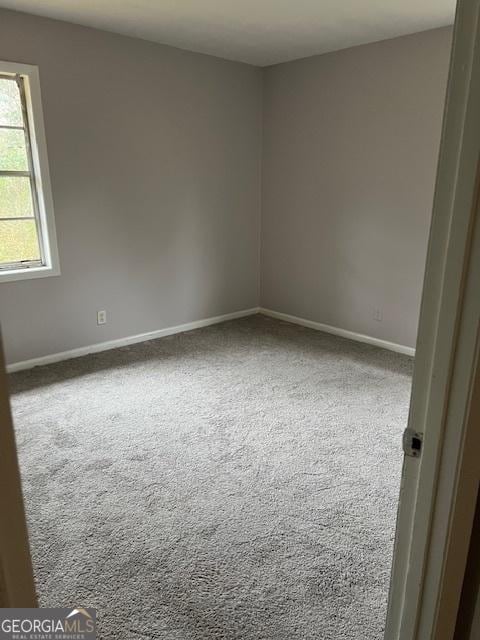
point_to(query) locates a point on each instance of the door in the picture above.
(439, 488)
(17, 588)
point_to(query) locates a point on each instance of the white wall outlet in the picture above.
(101, 317)
(378, 315)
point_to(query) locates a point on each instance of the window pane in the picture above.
(10, 104)
(13, 154)
(18, 241)
(15, 197)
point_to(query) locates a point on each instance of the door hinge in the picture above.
(412, 443)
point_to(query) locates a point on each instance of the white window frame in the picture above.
(43, 191)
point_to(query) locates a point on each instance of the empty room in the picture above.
(214, 220)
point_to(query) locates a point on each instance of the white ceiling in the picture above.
(260, 32)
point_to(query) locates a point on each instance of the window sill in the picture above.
(26, 274)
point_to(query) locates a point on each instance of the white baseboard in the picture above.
(197, 324)
(122, 342)
(351, 335)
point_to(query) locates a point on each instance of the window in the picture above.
(27, 231)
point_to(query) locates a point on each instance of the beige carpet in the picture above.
(234, 482)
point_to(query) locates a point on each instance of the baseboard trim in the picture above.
(344, 333)
(198, 324)
(123, 342)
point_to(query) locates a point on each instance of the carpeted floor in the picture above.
(235, 482)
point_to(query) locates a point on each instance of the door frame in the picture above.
(17, 584)
(439, 489)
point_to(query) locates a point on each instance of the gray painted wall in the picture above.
(155, 158)
(350, 149)
(155, 162)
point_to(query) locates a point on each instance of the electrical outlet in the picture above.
(101, 317)
(378, 315)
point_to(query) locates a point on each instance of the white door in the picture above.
(437, 497)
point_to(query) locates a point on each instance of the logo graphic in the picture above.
(48, 624)
(84, 612)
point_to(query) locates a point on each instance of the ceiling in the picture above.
(261, 32)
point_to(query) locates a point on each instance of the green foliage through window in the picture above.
(18, 225)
